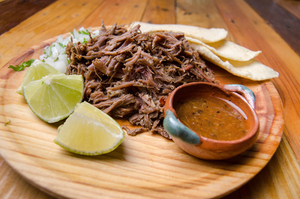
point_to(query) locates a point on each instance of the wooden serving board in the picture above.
(143, 166)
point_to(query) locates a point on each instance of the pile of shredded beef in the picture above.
(129, 74)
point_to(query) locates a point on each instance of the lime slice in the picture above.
(54, 97)
(36, 71)
(89, 131)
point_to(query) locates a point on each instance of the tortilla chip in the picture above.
(203, 34)
(228, 50)
(251, 69)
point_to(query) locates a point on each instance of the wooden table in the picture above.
(278, 41)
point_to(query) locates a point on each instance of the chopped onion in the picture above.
(55, 55)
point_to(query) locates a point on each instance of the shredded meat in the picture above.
(129, 74)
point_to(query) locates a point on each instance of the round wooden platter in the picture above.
(143, 166)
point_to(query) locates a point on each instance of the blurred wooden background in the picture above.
(282, 15)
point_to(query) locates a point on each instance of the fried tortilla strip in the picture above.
(251, 69)
(203, 34)
(228, 50)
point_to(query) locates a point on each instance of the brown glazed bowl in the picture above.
(203, 147)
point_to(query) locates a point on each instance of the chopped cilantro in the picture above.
(84, 41)
(85, 32)
(7, 123)
(50, 52)
(61, 45)
(22, 66)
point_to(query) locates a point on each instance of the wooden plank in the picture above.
(160, 12)
(58, 18)
(200, 13)
(116, 11)
(292, 6)
(13, 12)
(285, 23)
(287, 184)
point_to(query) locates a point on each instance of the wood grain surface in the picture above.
(145, 165)
(280, 177)
(13, 12)
(289, 26)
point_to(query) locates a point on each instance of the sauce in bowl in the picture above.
(212, 117)
(210, 121)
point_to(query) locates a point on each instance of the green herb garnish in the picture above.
(84, 41)
(22, 66)
(61, 45)
(7, 123)
(85, 32)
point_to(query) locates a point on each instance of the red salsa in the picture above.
(212, 117)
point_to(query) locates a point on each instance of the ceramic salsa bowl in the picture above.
(203, 147)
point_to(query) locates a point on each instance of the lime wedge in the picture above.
(55, 96)
(36, 71)
(89, 131)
